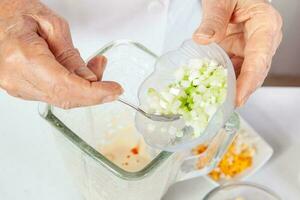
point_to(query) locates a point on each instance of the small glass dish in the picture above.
(241, 191)
(159, 136)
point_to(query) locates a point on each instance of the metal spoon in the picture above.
(154, 117)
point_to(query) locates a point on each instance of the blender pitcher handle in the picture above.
(199, 165)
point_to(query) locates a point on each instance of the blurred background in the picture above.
(285, 69)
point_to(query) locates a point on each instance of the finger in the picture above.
(253, 72)
(216, 16)
(234, 28)
(62, 87)
(97, 66)
(247, 83)
(261, 35)
(237, 64)
(258, 56)
(77, 92)
(55, 30)
(70, 58)
(277, 41)
(68, 90)
(234, 44)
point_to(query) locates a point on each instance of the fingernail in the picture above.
(104, 61)
(110, 98)
(205, 33)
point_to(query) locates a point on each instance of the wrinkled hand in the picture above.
(250, 32)
(39, 62)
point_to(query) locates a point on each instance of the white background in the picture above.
(31, 167)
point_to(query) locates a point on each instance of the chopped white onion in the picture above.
(197, 92)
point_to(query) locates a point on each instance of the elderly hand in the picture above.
(39, 62)
(250, 32)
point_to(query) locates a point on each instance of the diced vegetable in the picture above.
(199, 88)
(238, 158)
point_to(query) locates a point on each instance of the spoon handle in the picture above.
(164, 118)
(132, 106)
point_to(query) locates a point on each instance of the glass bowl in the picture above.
(241, 191)
(159, 136)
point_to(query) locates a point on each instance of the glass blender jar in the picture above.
(81, 134)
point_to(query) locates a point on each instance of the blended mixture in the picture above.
(127, 150)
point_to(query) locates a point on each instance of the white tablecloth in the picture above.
(31, 167)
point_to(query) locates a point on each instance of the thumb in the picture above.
(216, 16)
(67, 90)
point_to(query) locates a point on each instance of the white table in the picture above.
(31, 167)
